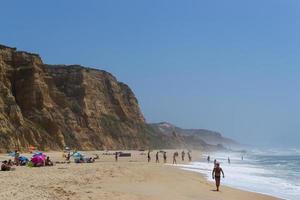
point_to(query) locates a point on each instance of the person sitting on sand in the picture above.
(157, 158)
(182, 155)
(96, 157)
(10, 162)
(149, 157)
(174, 157)
(48, 162)
(190, 157)
(165, 157)
(90, 160)
(5, 166)
(216, 174)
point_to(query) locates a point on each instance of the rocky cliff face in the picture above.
(55, 106)
(52, 106)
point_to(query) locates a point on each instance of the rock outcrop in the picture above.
(55, 106)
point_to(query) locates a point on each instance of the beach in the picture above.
(131, 178)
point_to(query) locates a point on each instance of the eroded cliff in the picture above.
(55, 106)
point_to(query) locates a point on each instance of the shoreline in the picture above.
(128, 179)
(233, 187)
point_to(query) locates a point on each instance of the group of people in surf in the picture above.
(175, 155)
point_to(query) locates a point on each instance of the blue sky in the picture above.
(231, 66)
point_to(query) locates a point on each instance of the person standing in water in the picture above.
(149, 157)
(208, 159)
(174, 157)
(216, 174)
(228, 160)
(165, 157)
(215, 162)
(190, 157)
(182, 155)
(157, 159)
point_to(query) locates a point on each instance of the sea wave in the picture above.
(273, 174)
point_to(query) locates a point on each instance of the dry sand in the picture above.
(128, 179)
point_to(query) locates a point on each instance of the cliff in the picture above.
(55, 106)
(197, 138)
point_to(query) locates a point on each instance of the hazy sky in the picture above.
(229, 66)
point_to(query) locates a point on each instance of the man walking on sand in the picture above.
(174, 158)
(190, 157)
(165, 157)
(157, 158)
(116, 156)
(182, 155)
(149, 157)
(216, 174)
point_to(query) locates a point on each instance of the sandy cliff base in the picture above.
(128, 179)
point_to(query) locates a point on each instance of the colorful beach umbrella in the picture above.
(38, 159)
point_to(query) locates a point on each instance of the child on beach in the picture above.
(216, 174)
(48, 162)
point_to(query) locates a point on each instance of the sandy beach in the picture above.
(128, 179)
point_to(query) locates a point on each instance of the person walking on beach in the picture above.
(189, 156)
(182, 155)
(68, 156)
(216, 174)
(165, 157)
(17, 155)
(157, 159)
(149, 157)
(116, 156)
(174, 157)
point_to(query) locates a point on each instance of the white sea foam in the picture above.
(254, 174)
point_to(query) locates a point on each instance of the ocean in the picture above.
(275, 172)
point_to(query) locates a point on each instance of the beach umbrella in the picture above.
(23, 158)
(77, 155)
(38, 159)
